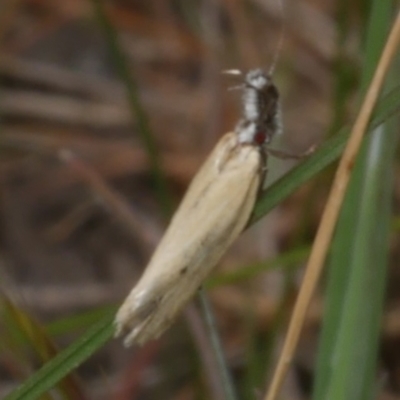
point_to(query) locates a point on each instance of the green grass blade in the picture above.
(347, 354)
(326, 154)
(286, 261)
(79, 322)
(66, 361)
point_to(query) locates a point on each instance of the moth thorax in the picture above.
(261, 113)
(251, 104)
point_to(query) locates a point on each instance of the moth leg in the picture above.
(236, 72)
(285, 155)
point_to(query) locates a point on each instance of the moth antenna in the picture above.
(282, 35)
(237, 87)
(232, 72)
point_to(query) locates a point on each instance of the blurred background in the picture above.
(81, 211)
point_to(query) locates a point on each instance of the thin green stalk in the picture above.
(125, 73)
(285, 261)
(226, 379)
(346, 77)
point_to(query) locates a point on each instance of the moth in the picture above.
(212, 214)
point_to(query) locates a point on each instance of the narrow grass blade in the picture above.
(66, 361)
(347, 356)
(324, 156)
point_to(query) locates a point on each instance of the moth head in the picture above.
(258, 79)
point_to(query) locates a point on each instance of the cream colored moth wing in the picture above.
(212, 214)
